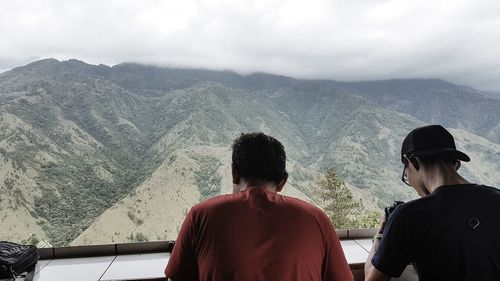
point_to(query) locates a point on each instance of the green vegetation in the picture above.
(301, 179)
(138, 237)
(73, 193)
(88, 136)
(41, 116)
(207, 177)
(337, 201)
(134, 219)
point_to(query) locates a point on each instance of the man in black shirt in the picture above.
(453, 231)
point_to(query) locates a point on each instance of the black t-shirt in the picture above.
(432, 232)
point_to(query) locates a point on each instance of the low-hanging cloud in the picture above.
(341, 40)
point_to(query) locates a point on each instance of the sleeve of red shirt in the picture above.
(335, 266)
(182, 264)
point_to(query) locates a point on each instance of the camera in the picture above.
(389, 210)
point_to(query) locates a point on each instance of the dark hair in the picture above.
(445, 158)
(259, 156)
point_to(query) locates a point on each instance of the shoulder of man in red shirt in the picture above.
(302, 222)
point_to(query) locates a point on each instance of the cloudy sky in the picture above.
(456, 40)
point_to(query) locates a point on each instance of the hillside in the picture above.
(128, 149)
(157, 207)
(436, 101)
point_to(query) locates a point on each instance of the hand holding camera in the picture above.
(387, 213)
(389, 210)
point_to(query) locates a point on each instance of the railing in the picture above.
(136, 256)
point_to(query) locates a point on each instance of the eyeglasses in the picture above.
(404, 176)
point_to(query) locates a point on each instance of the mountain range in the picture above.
(97, 154)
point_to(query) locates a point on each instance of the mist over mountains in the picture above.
(95, 152)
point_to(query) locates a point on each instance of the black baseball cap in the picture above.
(431, 140)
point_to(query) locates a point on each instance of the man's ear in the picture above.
(282, 183)
(415, 162)
(457, 165)
(234, 173)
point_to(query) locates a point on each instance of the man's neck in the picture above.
(244, 185)
(439, 177)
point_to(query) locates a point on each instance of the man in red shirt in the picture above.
(255, 233)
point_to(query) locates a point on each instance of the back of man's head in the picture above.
(434, 147)
(432, 144)
(260, 157)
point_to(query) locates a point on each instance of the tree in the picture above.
(368, 219)
(345, 212)
(140, 237)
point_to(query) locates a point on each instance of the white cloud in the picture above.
(333, 39)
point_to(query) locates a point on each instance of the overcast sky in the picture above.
(456, 40)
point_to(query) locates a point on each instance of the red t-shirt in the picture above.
(257, 235)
